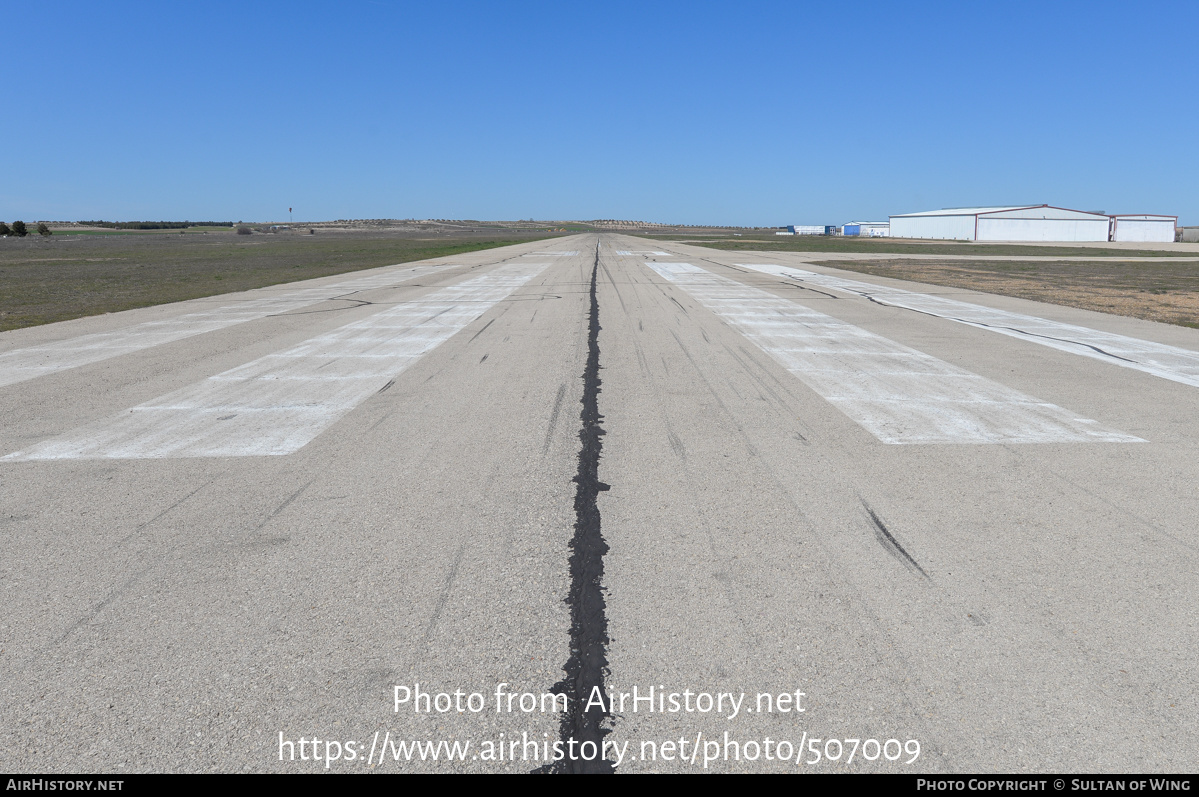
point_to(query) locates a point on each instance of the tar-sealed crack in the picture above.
(587, 666)
(1017, 330)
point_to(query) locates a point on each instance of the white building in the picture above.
(1143, 227)
(1010, 223)
(867, 229)
(807, 229)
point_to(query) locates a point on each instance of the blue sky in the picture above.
(697, 113)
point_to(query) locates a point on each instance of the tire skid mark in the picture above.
(615, 289)
(282, 506)
(444, 597)
(892, 546)
(641, 358)
(92, 613)
(782, 393)
(675, 443)
(356, 303)
(481, 331)
(549, 429)
(137, 576)
(156, 518)
(89, 615)
(749, 446)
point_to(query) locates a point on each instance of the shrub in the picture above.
(43, 230)
(18, 229)
(4, 230)
(243, 230)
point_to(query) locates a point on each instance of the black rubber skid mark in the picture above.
(582, 731)
(888, 541)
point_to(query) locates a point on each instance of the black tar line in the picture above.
(993, 326)
(588, 663)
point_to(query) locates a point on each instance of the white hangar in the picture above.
(1010, 223)
(1143, 227)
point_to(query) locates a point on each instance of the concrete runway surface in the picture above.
(829, 522)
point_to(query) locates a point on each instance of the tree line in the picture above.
(19, 230)
(155, 225)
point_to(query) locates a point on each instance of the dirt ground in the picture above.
(1158, 291)
(43, 280)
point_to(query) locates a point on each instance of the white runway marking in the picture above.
(22, 364)
(898, 394)
(663, 254)
(569, 253)
(1159, 359)
(278, 403)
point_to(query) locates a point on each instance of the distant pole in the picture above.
(289, 215)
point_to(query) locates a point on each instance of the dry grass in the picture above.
(64, 277)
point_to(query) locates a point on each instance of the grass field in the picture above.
(43, 280)
(1158, 291)
(819, 243)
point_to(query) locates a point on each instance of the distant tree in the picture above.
(43, 230)
(4, 230)
(18, 229)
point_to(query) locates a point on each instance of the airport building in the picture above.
(1143, 227)
(1032, 223)
(1010, 223)
(867, 229)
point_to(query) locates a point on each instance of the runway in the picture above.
(952, 531)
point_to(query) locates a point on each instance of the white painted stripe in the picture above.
(898, 394)
(278, 403)
(20, 365)
(1159, 359)
(622, 252)
(568, 253)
